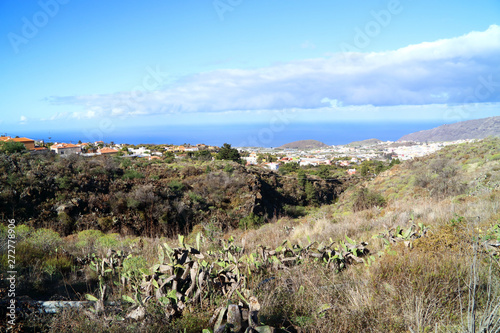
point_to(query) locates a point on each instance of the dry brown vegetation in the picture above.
(430, 266)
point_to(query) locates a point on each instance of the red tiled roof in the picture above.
(22, 140)
(108, 151)
(65, 145)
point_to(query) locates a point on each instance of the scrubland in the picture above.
(413, 249)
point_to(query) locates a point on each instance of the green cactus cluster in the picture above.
(184, 277)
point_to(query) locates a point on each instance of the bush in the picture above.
(176, 186)
(57, 265)
(494, 157)
(365, 199)
(295, 211)
(228, 168)
(105, 223)
(195, 197)
(108, 241)
(228, 153)
(251, 221)
(11, 147)
(66, 222)
(65, 183)
(45, 240)
(132, 174)
(87, 239)
(288, 167)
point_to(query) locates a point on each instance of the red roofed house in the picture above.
(66, 149)
(107, 151)
(28, 143)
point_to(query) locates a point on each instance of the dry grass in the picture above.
(422, 288)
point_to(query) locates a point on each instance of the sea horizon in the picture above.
(240, 135)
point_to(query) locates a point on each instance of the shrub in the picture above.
(294, 211)
(176, 186)
(45, 240)
(22, 231)
(11, 147)
(228, 153)
(311, 195)
(133, 267)
(195, 197)
(105, 222)
(66, 222)
(365, 199)
(251, 221)
(494, 157)
(87, 238)
(228, 168)
(65, 183)
(57, 265)
(132, 174)
(108, 241)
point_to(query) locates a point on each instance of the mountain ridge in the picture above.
(469, 129)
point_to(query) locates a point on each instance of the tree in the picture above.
(203, 155)
(310, 193)
(228, 153)
(323, 172)
(11, 147)
(288, 167)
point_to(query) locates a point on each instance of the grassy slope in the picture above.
(422, 287)
(419, 288)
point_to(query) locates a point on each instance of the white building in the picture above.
(272, 166)
(66, 149)
(250, 160)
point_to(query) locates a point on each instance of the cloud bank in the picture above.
(446, 71)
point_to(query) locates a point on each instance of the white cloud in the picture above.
(449, 71)
(23, 119)
(334, 103)
(308, 45)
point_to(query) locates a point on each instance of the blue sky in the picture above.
(104, 66)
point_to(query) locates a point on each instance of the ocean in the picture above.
(262, 135)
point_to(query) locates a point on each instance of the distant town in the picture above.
(348, 156)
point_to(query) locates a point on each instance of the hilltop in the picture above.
(470, 129)
(363, 143)
(304, 144)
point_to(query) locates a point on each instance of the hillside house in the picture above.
(250, 160)
(66, 149)
(272, 166)
(28, 143)
(107, 151)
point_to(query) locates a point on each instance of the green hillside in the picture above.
(413, 250)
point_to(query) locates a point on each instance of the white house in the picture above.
(272, 166)
(250, 160)
(66, 149)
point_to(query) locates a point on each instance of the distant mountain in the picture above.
(364, 143)
(304, 144)
(470, 129)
